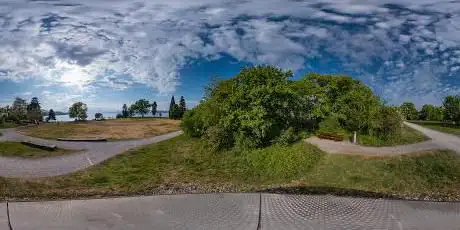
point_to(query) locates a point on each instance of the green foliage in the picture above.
(119, 115)
(34, 110)
(451, 106)
(431, 113)
(251, 110)
(79, 111)
(177, 111)
(18, 111)
(356, 108)
(171, 108)
(98, 116)
(51, 115)
(389, 123)
(192, 123)
(154, 108)
(330, 128)
(124, 111)
(287, 137)
(182, 106)
(409, 111)
(141, 107)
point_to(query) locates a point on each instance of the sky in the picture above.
(107, 53)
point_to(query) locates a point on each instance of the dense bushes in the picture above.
(251, 110)
(261, 106)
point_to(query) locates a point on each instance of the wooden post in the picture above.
(354, 137)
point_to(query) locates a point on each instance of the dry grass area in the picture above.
(119, 129)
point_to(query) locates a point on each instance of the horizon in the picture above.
(110, 55)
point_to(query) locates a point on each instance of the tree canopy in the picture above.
(409, 111)
(141, 107)
(78, 111)
(262, 105)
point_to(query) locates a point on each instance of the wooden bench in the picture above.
(40, 145)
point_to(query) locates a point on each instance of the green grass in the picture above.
(7, 125)
(184, 164)
(408, 136)
(16, 149)
(440, 126)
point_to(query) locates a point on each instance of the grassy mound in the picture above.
(185, 165)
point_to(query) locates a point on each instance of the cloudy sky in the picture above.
(109, 52)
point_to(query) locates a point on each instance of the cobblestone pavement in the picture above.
(91, 153)
(438, 140)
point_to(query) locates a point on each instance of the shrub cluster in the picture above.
(262, 106)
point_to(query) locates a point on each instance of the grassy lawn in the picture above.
(111, 129)
(408, 136)
(7, 125)
(16, 149)
(440, 126)
(184, 165)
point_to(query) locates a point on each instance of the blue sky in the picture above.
(109, 54)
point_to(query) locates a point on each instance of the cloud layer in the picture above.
(404, 49)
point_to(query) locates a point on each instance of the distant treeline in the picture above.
(449, 111)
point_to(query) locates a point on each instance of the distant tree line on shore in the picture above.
(449, 111)
(143, 107)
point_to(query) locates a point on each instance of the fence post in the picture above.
(354, 137)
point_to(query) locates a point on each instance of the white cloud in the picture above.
(96, 44)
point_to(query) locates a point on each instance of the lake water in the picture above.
(107, 115)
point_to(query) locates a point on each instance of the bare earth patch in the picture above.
(119, 129)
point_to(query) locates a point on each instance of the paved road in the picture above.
(438, 140)
(92, 153)
(445, 140)
(231, 211)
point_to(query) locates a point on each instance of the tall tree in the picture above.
(132, 110)
(154, 108)
(182, 106)
(79, 111)
(124, 111)
(51, 115)
(171, 107)
(431, 113)
(452, 108)
(142, 107)
(34, 111)
(409, 111)
(18, 110)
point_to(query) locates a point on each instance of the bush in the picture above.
(191, 124)
(289, 136)
(331, 129)
(218, 138)
(119, 116)
(390, 123)
(251, 110)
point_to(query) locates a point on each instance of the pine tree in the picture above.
(34, 111)
(154, 108)
(171, 108)
(51, 115)
(124, 111)
(182, 106)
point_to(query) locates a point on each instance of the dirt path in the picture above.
(92, 153)
(438, 140)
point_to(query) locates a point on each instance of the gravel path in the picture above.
(438, 140)
(92, 153)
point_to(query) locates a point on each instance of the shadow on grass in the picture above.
(344, 192)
